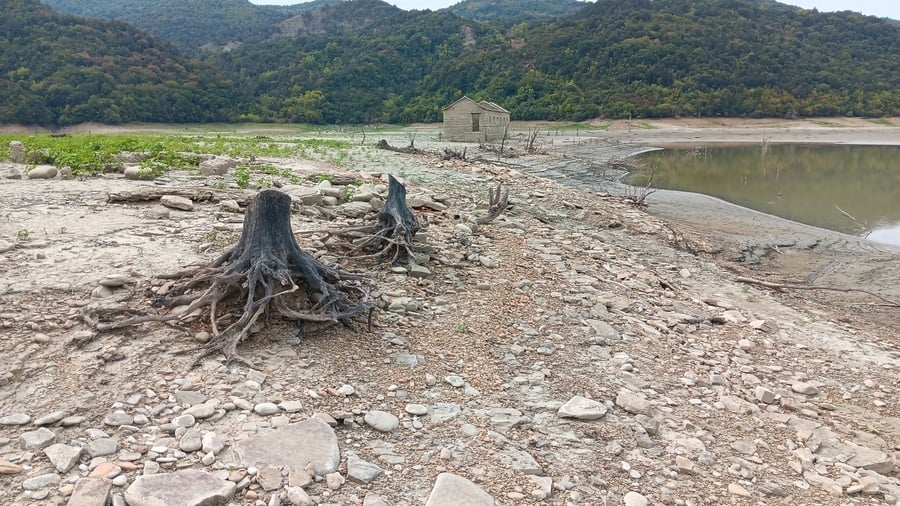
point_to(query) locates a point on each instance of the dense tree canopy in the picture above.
(364, 61)
(57, 69)
(508, 13)
(191, 24)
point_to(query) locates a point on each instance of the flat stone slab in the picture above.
(443, 412)
(360, 471)
(295, 445)
(518, 460)
(62, 456)
(582, 408)
(452, 490)
(90, 492)
(177, 202)
(185, 488)
(633, 403)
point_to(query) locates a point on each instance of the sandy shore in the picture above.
(884, 132)
(768, 246)
(751, 242)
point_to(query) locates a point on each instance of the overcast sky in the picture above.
(880, 8)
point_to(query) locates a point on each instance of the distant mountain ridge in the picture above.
(366, 61)
(339, 17)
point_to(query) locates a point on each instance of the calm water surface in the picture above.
(851, 189)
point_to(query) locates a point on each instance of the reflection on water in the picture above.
(851, 189)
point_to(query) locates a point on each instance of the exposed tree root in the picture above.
(391, 238)
(265, 272)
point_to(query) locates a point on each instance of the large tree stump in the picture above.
(266, 271)
(391, 237)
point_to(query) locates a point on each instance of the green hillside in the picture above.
(57, 69)
(191, 24)
(613, 58)
(365, 61)
(511, 12)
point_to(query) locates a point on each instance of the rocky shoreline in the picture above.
(573, 351)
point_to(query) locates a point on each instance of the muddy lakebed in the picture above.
(577, 350)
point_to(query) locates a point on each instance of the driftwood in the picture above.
(197, 194)
(783, 286)
(410, 150)
(452, 154)
(498, 201)
(265, 272)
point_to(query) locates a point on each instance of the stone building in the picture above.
(469, 121)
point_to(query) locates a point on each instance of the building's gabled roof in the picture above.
(492, 106)
(484, 104)
(463, 99)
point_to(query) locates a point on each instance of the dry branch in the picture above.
(197, 194)
(783, 286)
(410, 150)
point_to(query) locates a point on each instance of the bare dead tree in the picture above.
(265, 272)
(530, 140)
(503, 141)
(638, 194)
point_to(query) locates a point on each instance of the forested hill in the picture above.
(58, 69)
(365, 61)
(359, 62)
(710, 58)
(612, 58)
(511, 12)
(191, 24)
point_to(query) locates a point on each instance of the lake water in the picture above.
(851, 189)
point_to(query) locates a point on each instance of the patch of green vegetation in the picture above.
(242, 176)
(282, 172)
(881, 121)
(93, 154)
(578, 127)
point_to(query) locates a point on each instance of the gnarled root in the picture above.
(391, 238)
(265, 272)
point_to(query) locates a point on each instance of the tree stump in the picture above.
(265, 271)
(391, 238)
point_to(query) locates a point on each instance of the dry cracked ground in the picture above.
(566, 353)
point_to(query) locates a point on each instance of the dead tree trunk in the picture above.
(265, 271)
(392, 237)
